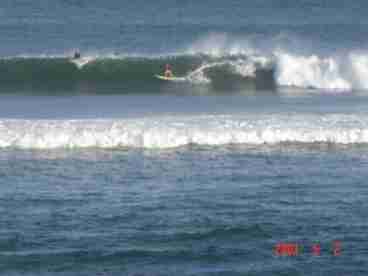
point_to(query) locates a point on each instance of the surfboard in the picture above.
(80, 62)
(170, 78)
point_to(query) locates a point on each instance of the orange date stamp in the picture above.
(294, 249)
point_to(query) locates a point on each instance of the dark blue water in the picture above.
(46, 27)
(190, 211)
(107, 170)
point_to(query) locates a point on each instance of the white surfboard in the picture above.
(170, 78)
(80, 62)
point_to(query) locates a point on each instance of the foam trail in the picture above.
(198, 76)
(168, 132)
(245, 67)
(81, 62)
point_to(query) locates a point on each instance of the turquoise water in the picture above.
(106, 170)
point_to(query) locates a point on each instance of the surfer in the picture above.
(76, 55)
(168, 73)
(169, 76)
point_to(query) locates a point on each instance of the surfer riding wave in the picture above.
(168, 73)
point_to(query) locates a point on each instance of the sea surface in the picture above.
(254, 163)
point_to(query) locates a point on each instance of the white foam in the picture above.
(171, 132)
(244, 67)
(80, 62)
(220, 45)
(198, 75)
(359, 69)
(294, 67)
(310, 71)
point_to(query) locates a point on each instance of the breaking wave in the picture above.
(169, 132)
(339, 73)
(136, 72)
(213, 63)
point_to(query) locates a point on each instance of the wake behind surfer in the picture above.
(168, 73)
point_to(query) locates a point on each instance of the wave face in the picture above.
(169, 132)
(226, 70)
(136, 72)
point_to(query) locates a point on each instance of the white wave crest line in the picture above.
(175, 132)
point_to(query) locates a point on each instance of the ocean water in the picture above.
(255, 163)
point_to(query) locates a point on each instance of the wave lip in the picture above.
(170, 132)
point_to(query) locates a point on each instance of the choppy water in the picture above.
(191, 211)
(106, 170)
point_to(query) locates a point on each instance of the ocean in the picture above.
(254, 163)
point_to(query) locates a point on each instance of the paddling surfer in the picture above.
(168, 73)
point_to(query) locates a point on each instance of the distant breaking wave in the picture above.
(175, 131)
(223, 71)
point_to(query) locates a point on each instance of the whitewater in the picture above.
(176, 131)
